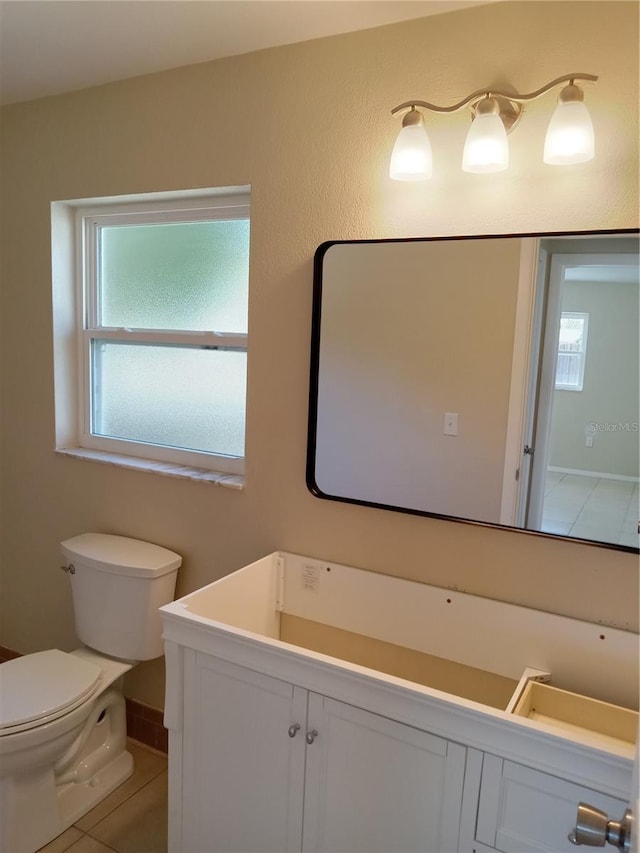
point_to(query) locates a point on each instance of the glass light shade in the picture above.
(486, 148)
(411, 158)
(570, 137)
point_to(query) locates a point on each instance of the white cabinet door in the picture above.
(376, 785)
(243, 775)
(526, 811)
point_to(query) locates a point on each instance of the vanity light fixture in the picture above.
(569, 138)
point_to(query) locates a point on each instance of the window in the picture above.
(162, 330)
(572, 350)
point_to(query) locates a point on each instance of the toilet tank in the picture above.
(117, 585)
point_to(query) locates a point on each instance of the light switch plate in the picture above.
(450, 423)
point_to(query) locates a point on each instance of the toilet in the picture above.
(62, 714)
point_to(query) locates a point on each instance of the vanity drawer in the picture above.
(522, 810)
(609, 725)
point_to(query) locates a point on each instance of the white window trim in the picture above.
(78, 222)
(582, 355)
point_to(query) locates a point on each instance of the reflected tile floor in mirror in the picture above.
(132, 819)
(592, 508)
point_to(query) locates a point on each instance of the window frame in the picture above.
(581, 355)
(89, 220)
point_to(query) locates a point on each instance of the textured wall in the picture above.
(308, 126)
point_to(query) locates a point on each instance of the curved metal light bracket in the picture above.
(509, 111)
(510, 105)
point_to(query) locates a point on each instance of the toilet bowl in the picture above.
(62, 714)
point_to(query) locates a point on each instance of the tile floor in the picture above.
(592, 508)
(132, 819)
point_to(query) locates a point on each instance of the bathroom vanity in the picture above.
(313, 706)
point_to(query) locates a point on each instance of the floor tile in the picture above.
(600, 509)
(560, 528)
(601, 518)
(598, 534)
(573, 492)
(89, 845)
(139, 825)
(615, 504)
(577, 480)
(618, 487)
(148, 765)
(63, 842)
(561, 512)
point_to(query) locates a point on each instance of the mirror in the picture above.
(491, 380)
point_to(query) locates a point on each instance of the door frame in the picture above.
(524, 363)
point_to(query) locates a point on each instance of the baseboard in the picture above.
(599, 474)
(144, 723)
(7, 654)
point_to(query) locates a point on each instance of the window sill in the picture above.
(166, 469)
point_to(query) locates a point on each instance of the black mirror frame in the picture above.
(315, 370)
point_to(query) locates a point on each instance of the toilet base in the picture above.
(75, 800)
(41, 803)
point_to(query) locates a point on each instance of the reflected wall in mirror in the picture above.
(484, 379)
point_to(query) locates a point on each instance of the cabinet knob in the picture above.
(294, 729)
(311, 735)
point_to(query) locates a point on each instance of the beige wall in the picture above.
(308, 126)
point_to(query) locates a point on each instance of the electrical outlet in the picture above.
(588, 442)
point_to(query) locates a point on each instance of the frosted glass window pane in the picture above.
(190, 276)
(180, 397)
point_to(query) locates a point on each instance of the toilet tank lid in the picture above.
(120, 555)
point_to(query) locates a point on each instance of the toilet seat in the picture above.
(38, 688)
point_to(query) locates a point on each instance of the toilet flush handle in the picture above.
(70, 569)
